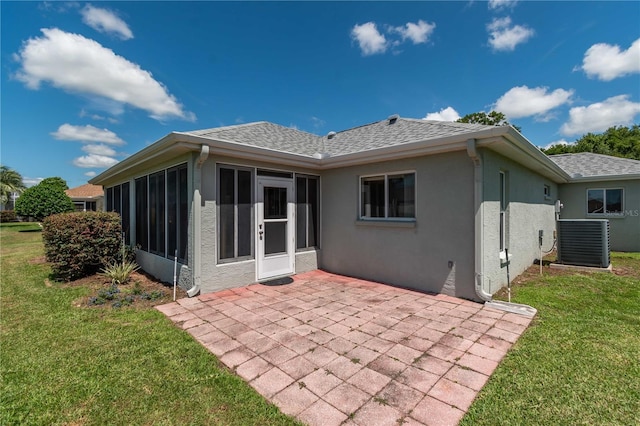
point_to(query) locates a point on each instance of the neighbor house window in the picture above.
(388, 196)
(307, 202)
(605, 201)
(235, 189)
(118, 201)
(162, 212)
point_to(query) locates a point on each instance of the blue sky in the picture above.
(84, 85)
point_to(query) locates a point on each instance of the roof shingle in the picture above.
(85, 191)
(588, 164)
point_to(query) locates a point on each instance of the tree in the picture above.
(616, 141)
(44, 199)
(494, 118)
(10, 182)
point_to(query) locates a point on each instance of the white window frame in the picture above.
(604, 201)
(386, 217)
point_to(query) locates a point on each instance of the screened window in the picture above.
(142, 213)
(235, 191)
(307, 202)
(388, 196)
(117, 201)
(605, 201)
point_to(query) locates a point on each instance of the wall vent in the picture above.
(584, 242)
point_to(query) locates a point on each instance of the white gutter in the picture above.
(197, 222)
(479, 220)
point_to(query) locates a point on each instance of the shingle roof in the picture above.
(403, 131)
(587, 164)
(85, 191)
(265, 135)
(375, 135)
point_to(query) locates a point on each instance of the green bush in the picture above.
(79, 244)
(44, 199)
(8, 216)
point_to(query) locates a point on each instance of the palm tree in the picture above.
(10, 182)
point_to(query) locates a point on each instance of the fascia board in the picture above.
(604, 178)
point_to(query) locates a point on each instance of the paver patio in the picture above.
(333, 350)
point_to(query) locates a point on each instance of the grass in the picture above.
(62, 364)
(579, 362)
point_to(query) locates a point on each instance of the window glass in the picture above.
(402, 195)
(172, 212)
(227, 213)
(142, 213)
(372, 195)
(110, 199)
(275, 237)
(183, 212)
(244, 213)
(595, 201)
(313, 200)
(125, 212)
(614, 200)
(275, 203)
(301, 212)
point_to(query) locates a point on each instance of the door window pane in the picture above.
(275, 237)
(275, 203)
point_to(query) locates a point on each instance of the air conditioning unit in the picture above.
(584, 242)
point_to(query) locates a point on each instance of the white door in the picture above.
(275, 227)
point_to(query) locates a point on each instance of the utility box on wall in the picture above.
(584, 242)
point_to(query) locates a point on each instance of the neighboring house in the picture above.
(87, 197)
(421, 204)
(603, 187)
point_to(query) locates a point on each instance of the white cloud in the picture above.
(501, 4)
(90, 174)
(417, 33)
(558, 142)
(606, 61)
(317, 122)
(522, 101)
(80, 65)
(369, 39)
(88, 133)
(105, 21)
(598, 117)
(99, 149)
(503, 36)
(445, 114)
(92, 161)
(29, 182)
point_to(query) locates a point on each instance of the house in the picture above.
(428, 205)
(603, 187)
(87, 197)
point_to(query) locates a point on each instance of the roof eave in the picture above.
(635, 176)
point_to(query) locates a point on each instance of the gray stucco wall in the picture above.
(409, 256)
(527, 212)
(625, 229)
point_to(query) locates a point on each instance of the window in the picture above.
(117, 201)
(307, 202)
(142, 213)
(547, 192)
(605, 201)
(162, 212)
(235, 189)
(388, 196)
(503, 211)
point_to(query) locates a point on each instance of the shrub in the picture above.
(7, 216)
(79, 244)
(44, 199)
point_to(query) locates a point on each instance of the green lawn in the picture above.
(61, 364)
(579, 362)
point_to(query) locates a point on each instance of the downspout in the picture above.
(197, 222)
(479, 221)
